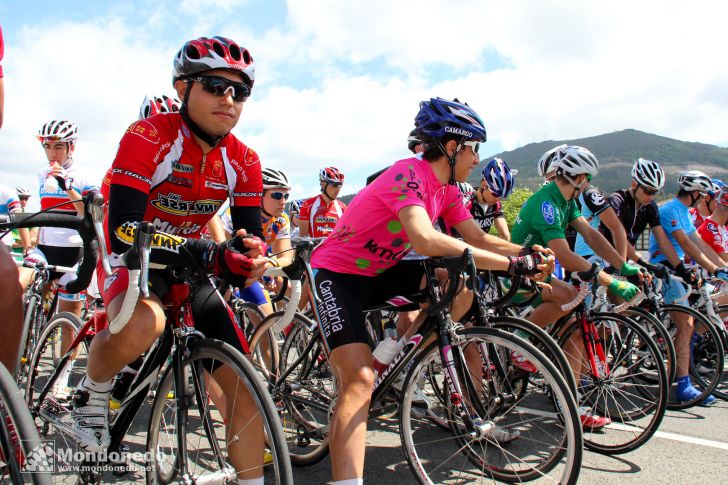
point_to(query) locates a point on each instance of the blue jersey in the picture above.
(591, 203)
(673, 216)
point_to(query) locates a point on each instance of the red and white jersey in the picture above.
(695, 217)
(715, 235)
(51, 195)
(160, 157)
(321, 217)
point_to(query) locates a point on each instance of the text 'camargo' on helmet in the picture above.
(499, 178)
(648, 174)
(574, 160)
(206, 54)
(439, 117)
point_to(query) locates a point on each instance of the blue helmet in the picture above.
(499, 178)
(717, 185)
(439, 117)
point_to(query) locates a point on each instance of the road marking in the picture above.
(659, 434)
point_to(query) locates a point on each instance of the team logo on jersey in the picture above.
(215, 185)
(174, 204)
(548, 212)
(187, 228)
(145, 130)
(673, 223)
(181, 167)
(251, 158)
(217, 169)
(597, 198)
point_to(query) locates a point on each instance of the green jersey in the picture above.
(544, 217)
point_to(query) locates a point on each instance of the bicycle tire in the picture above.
(202, 352)
(308, 394)
(634, 403)
(566, 446)
(716, 362)
(23, 451)
(661, 337)
(721, 390)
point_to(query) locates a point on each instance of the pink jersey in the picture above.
(369, 238)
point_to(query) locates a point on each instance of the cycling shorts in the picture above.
(255, 294)
(59, 256)
(212, 315)
(343, 298)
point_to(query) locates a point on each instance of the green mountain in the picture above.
(616, 153)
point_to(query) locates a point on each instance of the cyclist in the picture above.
(175, 170)
(9, 203)
(294, 209)
(320, 214)
(683, 238)
(496, 183)
(361, 261)
(713, 230)
(706, 205)
(543, 220)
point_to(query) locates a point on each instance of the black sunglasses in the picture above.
(219, 86)
(279, 195)
(648, 191)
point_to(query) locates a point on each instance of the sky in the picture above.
(338, 82)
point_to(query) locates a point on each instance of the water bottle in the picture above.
(387, 349)
(51, 185)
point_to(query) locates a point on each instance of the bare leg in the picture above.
(11, 308)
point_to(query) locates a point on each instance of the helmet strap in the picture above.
(325, 191)
(199, 132)
(572, 182)
(451, 159)
(693, 200)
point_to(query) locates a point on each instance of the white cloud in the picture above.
(572, 69)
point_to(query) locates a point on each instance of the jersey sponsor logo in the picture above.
(673, 223)
(597, 198)
(217, 169)
(384, 253)
(185, 229)
(548, 212)
(329, 309)
(215, 185)
(251, 158)
(131, 174)
(144, 130)
(174, 204)
(125, 233)
(247, 194)
(326, 219)
(182, 167)
(179, 181)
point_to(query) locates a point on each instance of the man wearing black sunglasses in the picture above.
(176, 170)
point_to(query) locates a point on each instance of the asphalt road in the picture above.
(690, 447)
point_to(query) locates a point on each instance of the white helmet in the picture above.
(544, 163)
(574, 160)
(58, 130)
(648, 174)
(22, 191)
(274, 179)
(695, 180)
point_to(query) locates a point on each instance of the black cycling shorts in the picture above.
(343, 298)
(60, 256)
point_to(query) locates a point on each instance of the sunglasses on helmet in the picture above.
(279, 195)
(219, 86)
(472, 144)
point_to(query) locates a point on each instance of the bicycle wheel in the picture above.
(32, 324)
(215, 450)
(23, 459)
(267, 339)
(721, 390)
(52, 414)
(537, 437)
(248, 314)
(653, 326)
(629, 386)
(707, 355)
(307, 395)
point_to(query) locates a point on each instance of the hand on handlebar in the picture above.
(688, 276)
(623, 289)
(721, 274)
(238, 268)
(534, 265)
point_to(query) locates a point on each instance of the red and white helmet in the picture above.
(154, 105)
(208, 53)
(58, 130)
(331, 175)
(722, 196)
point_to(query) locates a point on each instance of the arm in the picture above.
(475, 236)
(666, 246)
(429, 242)
(619, 235)
(572, 261)
(708, 251)
(283, 247)
(687, 243)
(502, 227)
(214, 227)
(303, 227)
(597, 242)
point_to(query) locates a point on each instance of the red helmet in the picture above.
(154, 105)
(208, 53)
(331, 175)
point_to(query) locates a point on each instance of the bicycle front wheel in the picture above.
(226, 418)
(531, 435)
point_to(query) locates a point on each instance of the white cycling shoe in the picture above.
(91, 415)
